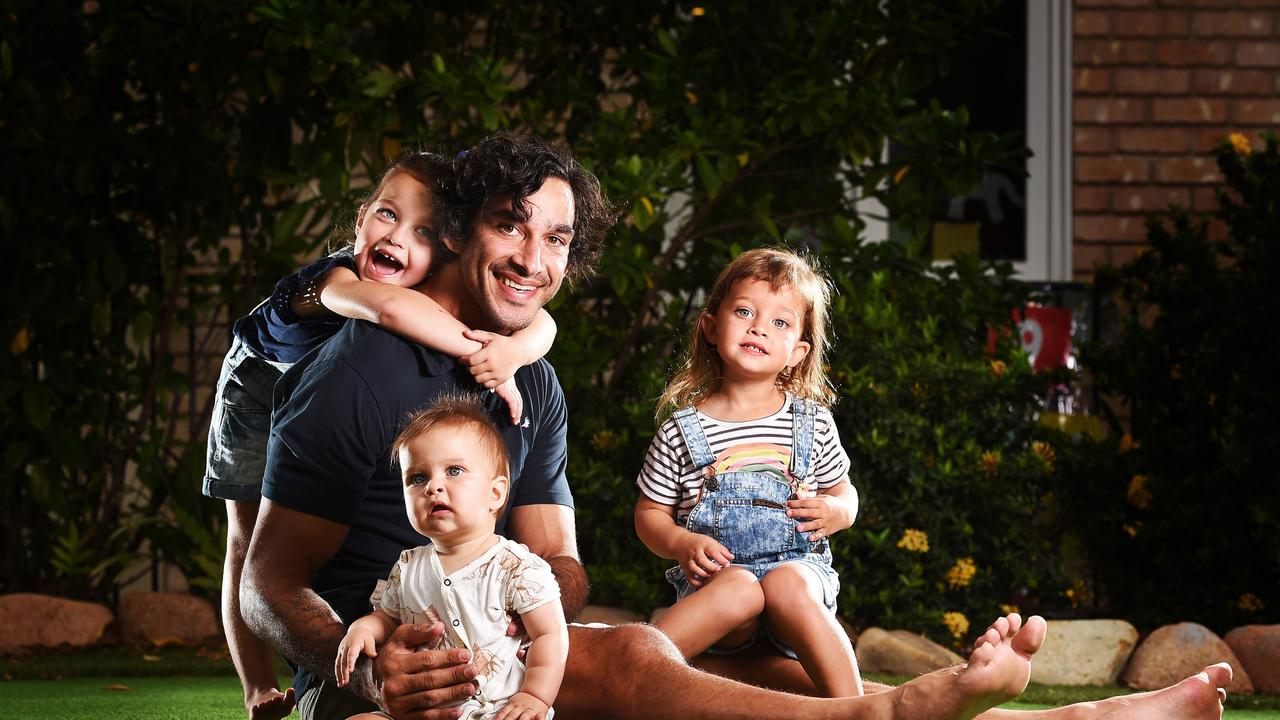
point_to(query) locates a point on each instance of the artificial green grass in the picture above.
(121, 682)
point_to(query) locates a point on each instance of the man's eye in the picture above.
(417, 479)
(557, 241)
(387, 213)
(508, 229)
(455, 470)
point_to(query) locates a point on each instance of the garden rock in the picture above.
(31, 621)
(1258, 647)
(900, 652)
(1173, 652)
(166, 618)
(607, 615)
(1084, 652)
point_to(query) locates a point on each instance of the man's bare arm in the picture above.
(276, 596)
(549, 531)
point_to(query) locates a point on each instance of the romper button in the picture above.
(447, 581)
(455, 623)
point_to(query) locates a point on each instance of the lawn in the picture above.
(110, 683)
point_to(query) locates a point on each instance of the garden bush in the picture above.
(1177, 512)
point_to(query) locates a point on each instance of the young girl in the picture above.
(393, 251)
(455, 471)
(746, 479)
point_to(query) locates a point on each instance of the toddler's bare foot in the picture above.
(1198, 697)
(271, 705)
(998, 670)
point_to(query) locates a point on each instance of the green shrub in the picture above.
(1178, 516)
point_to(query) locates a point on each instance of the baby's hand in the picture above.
(356, 641)
(523, 706)
(824, 515)
(515, 401)
(497, 361)
(701, 556)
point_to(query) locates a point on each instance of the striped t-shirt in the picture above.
(763, 445)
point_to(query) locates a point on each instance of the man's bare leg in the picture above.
(633, 671)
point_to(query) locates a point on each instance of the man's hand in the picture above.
(701, 556)
(823, 515)
(418, 684)
(523, 706)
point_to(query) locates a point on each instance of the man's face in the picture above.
(513, 267)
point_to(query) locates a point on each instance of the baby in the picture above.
(455, 470)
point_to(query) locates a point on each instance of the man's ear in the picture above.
(498, 488)
(452, 244)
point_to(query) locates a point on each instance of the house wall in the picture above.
(1157, 84)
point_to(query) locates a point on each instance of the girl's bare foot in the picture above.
(998, 670)
(271, 705)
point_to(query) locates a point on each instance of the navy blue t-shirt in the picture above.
(275, 332)
(337, 412)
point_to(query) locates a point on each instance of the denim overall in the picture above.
(747, 512)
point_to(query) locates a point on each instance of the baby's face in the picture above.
(452, 489)
(393, 236)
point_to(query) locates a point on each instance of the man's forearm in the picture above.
(302, 627)
(572, 578)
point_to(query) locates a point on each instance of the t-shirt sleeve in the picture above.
(326, 441)
(542, 480)
(830, 461)
(306, 280)
(530, 585)
(659, 478)
(388, 595)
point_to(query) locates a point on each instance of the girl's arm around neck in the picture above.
(404, 311)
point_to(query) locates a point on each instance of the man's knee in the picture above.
(619, 645)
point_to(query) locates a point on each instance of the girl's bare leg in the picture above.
(725, 611)
(796, 614)
(255, 662)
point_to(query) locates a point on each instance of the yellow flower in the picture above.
(1046, 453)
(1131, 530)
(698, 11)
(21, 341)
(1078, 594)
(914, 540)
(1250, 602)
(957, 623)
(961, 573)
(990, 461)
(1138, 495)
(604, 440)
(1007, 608)
(901, 173)
(998, 367)
(1127, 443)
(1240, 143)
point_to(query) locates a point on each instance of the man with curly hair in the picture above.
(522, 216)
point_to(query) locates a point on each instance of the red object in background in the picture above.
(1045, 333)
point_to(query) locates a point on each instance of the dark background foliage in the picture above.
(166, 162)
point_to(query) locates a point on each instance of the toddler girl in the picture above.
(393, 251)
(746, 478)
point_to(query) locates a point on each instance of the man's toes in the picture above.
(1015, 622)
(1031, 636)
(1218, 674)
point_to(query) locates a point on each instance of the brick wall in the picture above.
(1158, 83)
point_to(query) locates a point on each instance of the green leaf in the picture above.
(707, 174)
(143, 326)
(37, 404)
(6, 59)
(664, 39)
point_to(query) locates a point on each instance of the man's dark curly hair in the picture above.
(515, 165)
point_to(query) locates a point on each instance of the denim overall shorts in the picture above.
(747, 512)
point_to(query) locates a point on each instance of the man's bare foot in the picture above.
(1198, 697)
(998, 670)
(271, 705)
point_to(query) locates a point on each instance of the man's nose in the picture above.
(529, 256)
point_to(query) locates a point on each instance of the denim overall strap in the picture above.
(802, 415)
(694, 439)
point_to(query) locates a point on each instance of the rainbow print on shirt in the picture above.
(755, 457)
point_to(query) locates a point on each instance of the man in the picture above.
(522, 216)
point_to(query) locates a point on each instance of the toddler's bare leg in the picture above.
(724, 611)
(796, 614)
